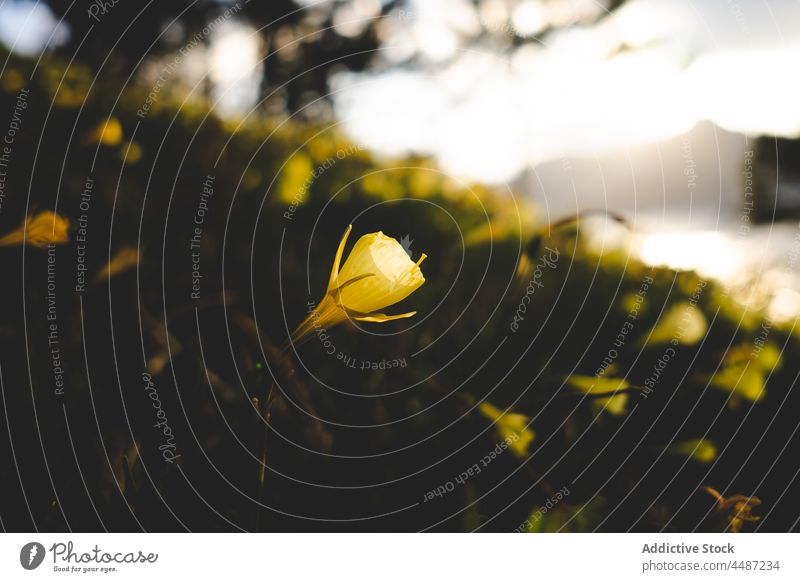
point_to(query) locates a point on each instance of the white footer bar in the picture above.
(400, 557)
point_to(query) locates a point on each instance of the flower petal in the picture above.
(396, 276)
(338, 259)
(381, 317)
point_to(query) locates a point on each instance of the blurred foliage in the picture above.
(566, 518)
(353, 449)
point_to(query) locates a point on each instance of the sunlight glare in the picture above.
(709, 253)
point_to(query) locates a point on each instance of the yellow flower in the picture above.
(108, 132)
(39, 230)
(377, 273)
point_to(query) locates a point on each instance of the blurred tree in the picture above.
(297, 39)
(771, 179)
(304, 42)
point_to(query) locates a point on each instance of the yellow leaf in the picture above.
(513, 428)
(700, 450)
(131, 152)
(682, 324)
(614, 404)
(123, 260)
(746, 380)
(296, 179)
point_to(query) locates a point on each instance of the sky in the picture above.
(28, 26)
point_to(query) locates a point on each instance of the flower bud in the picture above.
(378, 273)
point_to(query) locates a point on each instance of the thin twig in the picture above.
(262, 448)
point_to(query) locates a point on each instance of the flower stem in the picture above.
(262, 452)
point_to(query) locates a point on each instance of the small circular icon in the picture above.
(31, 555)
